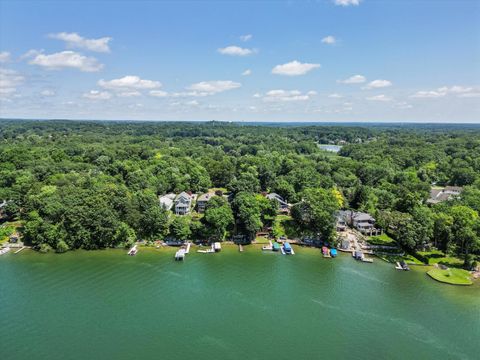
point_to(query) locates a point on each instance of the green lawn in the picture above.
(261, 240)
(7, 229)
(382, 239)
(284, 225)
(438, 257)
(409, 259)
(451, 276)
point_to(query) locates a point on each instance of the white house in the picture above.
(183, 203)
(166, 201)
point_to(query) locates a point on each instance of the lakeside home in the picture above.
(440, 194)
(203, 200)
(166, 201)
(361, 221)
(282, 203)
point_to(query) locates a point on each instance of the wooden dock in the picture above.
(240, 247)
(4, 250)
(23, 247)
(187, 250)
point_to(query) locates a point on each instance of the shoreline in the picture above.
(231, 249)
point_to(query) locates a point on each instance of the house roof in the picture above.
(441, 194)
(364, 224)
(205, 197)
(275, 196)
(166, 202)
(363, 217)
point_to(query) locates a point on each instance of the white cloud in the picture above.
(73, 40)
(129, 82)
(455, 89)
(294, 68)
(132, 93)
(346, 2)
(9, 81)
(47, 92)
(335, 96)
(460, 91)
(97, 95)
(192, 103)
(235, 51)
(312, 93)
(31, 53)
(428, 94)
(67, 59)
(257, 95)
(247, 72)
(158, 93)
(355, 79)
(382, 97)
(246, 37)
(330, 40)
(4, 57)
(287, 95)
(378, 84)
(212, 87)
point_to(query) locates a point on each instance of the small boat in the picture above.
(333, 253)
(180, 255)
(287, 248)
(404, 265)
(398, 266)
(133, 251)
(357, 255)
(276, 246)
(217, 247)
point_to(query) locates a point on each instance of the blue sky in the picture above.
(331, 60)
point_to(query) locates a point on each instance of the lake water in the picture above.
(230, 305)
(332, 148)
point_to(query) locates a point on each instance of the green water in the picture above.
(106, 305)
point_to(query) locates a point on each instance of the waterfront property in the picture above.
(202, 201)
(166, 201)
(282, 203)
(439, 194)
(183, 203)
(361, 221)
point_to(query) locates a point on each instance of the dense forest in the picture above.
(74, 184)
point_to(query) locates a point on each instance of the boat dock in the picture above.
(4, 250)
(23, 247)
(268, 247)
(207, 251)
(133, 250)
(187, 250)
(240, 247)
(180, 255)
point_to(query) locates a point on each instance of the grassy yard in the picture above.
(8, 229)
(409, 259)
(438, 257)
(283, 225)
(261, 240)
(451, 276)
(382, 239)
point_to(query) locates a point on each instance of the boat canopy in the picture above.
(287, 246)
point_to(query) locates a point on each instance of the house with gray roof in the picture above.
(440, 194)
(183, 203)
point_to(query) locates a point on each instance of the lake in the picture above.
(229, 305)
(331, 148)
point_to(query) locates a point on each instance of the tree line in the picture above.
(92, 185)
